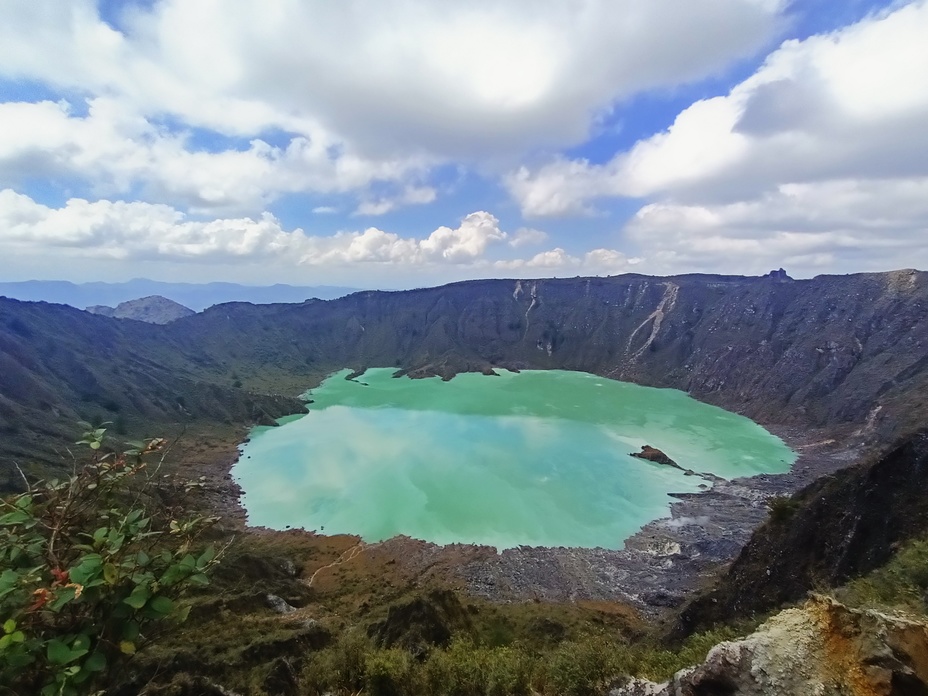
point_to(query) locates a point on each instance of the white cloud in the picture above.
(806, 228)
(527, 236)
(818, 159)
(412, 195)
(849, 104)
(558, 261)
(325, 210)
(116, 229)
(448, 78)
(117, 150)
(141, 232)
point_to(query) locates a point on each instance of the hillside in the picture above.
(839, 364)
(153, 309)
(835, 352)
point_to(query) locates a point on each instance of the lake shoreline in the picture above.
(661, 566)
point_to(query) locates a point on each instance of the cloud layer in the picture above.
(181, 132)
(820, 155)
(143, 231)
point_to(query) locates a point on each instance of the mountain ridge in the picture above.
(846, 352)
(197, 296)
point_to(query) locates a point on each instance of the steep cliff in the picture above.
(837, 528)
(831, 350)
(842, 352)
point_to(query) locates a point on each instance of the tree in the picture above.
(91, 572)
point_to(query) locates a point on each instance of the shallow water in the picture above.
(537, 458)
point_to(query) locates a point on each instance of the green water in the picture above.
(537, 458)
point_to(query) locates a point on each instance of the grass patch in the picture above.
(900, 584)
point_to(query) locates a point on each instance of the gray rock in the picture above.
(279, 604)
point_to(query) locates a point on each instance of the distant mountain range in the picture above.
(196, 296)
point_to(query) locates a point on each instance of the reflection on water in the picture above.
(537, 458)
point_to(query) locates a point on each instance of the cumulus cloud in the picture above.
(557, 260)
(117, 229)
(527, 236)
(847, 104)
(135, 231)
(412, 195)
(807, 228)
(117, 150)
(818, 158)
(449, 78)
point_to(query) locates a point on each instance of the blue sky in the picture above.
(397, 143)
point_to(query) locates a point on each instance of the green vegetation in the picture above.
(585, 666)
(105, 584)
(90, 574)
(782, 508)
(900, 584)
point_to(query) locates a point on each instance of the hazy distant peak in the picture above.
(153, 309)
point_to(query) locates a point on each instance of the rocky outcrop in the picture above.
(153, 309)
(820, 649)
(422, 623)
(837, 528)
(652, 454)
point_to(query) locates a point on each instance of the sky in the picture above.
(400, 143)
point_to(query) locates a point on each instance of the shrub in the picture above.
(782, 508)
(388, 673)
(88, 576)
(581, 668)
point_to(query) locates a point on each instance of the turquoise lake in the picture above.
(537, 458)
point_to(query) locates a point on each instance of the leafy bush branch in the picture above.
(91, 572)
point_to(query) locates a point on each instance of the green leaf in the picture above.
(139, 596)
(110, 574)
(65, 595)
(87, 569)
(9, 626)
(131, 630)
(206, 557)
(142, 559)
(57, 652)
(175, 574)
(162, 605)
(95, 663)
(95, 445)
(199, 579)
(82, 642)
(24, 502)
(15, 517)
(182, 613)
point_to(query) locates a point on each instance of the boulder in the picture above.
(821, 648)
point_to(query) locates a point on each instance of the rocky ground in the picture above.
(665, 562)
(659, 568)
(820, 649)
